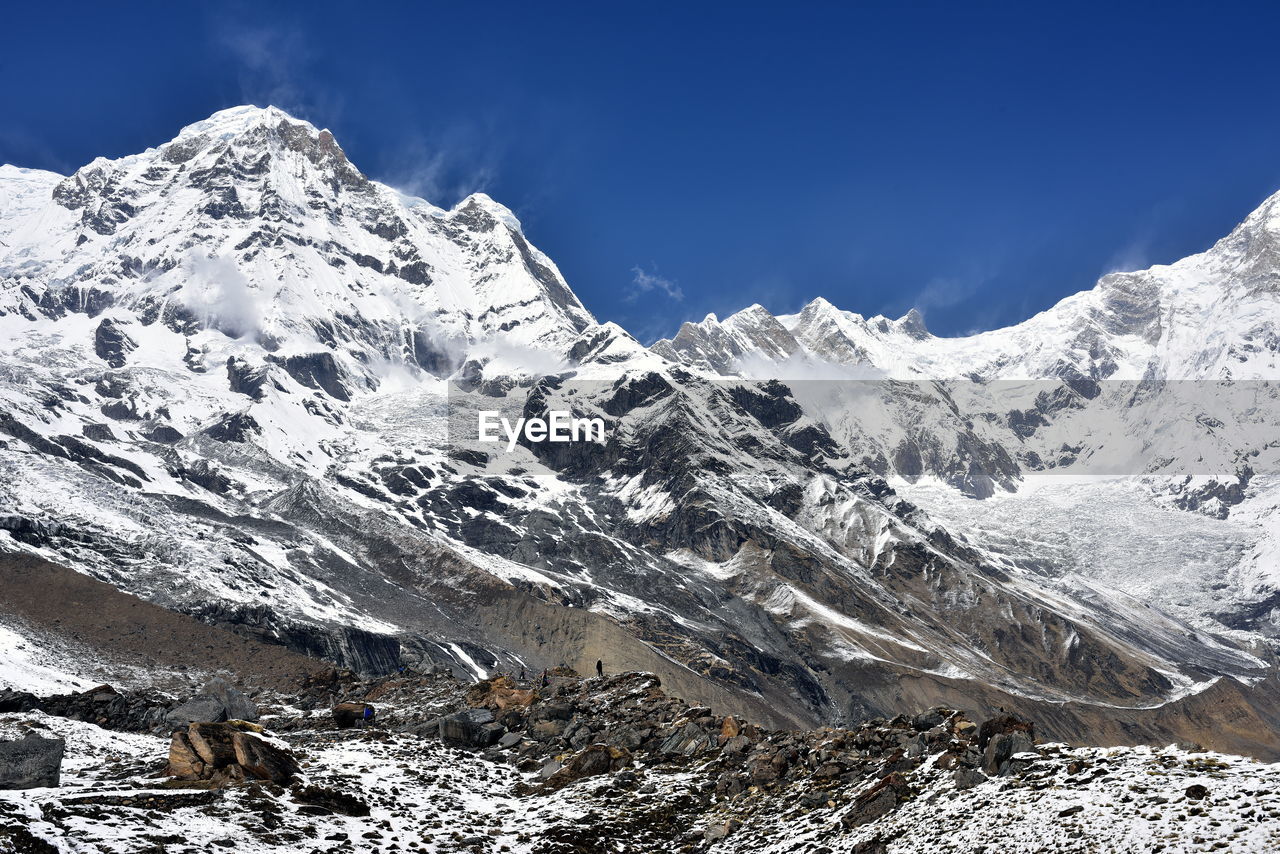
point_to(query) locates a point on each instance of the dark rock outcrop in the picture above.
(31, 762)
(112, 344)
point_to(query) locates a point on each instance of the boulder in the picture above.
(214, 743)
(17, 701)
(590, 762)
(549, 729)
(225, 754)
(877, 801)
(928, 720)
(1004, 723)
(1001, 749)
(347, 715)
(184, 762)
(716, 831)
(967, 778)
(197, 709)
(472, 728)
(236, 705)
(330, 800)
(687, 740)
(262, 760)
(499, 693)
(30, 763)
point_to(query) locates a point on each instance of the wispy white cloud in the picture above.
(273, 66)
(643, 282)
(944, 292)
(1135, 255)
(447, 164)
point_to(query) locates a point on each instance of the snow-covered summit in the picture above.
(482, 203)
(252, 213)
(235, 120)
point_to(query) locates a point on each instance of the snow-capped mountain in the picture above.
(237, 377)
(1167, 373)
(1208, 316)
(253, 225)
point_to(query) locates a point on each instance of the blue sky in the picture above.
(978, 161)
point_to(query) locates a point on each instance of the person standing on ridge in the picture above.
(600, 668)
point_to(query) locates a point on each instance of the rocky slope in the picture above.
(240, 380)
(615, 764)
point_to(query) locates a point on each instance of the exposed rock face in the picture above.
(112, 344)
(362, 651)
(31, 762)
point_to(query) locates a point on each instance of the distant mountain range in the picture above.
(237, 378)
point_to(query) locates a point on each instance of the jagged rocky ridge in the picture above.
(237, 375)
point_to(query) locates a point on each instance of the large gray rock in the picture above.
(688, 740)
(198, 710)
(877, 801)
(1001, 749)
(31, 762)
(238, 706)
(471, 727)
(967, 778)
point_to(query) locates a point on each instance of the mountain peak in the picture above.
(912, 323)
(235, 120)
(252, 130)
(497, 210)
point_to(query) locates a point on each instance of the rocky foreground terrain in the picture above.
(590, 765)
